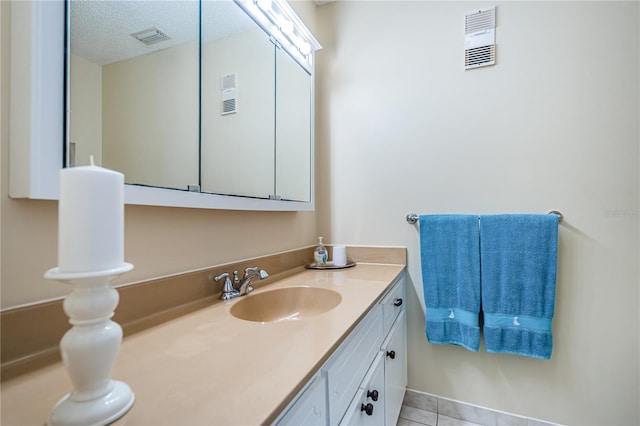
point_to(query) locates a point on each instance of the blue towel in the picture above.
(519, 256)
(450, 253)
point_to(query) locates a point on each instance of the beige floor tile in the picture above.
(417, 415)
(405, 422)
(450, 421)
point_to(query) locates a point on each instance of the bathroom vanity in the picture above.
(364, 380)
(210, 367)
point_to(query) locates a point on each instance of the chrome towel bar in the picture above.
(412, 218)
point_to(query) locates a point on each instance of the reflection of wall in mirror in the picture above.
(85, 117)
(150, 117)
(238, 149)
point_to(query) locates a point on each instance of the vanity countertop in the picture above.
(209, 367)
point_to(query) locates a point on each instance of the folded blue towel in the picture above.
(450, 253)
(519, 255)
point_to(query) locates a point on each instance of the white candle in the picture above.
(90, 219)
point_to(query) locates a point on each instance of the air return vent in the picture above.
(150, 36)
(228, 106)
(228, 94)
(480, 40)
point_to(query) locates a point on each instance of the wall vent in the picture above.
(150, 36)
(228, 106)
(228, 82)
(480, 39)
(228, 94)
(480, 56)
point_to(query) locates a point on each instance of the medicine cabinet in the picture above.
(219, 116)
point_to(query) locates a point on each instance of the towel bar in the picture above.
(412, 218)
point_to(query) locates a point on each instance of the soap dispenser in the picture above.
(320, 253)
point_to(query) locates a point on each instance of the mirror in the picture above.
(223, 109)
(134, 89)
(293, 125)
(238, 108)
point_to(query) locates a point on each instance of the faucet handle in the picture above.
(247, 270)
(221, 276)
(260, 273)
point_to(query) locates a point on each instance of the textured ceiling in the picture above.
(101, 29)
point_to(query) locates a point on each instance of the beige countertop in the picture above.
(209, 367)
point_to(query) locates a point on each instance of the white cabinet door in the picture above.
(367, 408)
(310, 408)
(395, 368)
(347, 367)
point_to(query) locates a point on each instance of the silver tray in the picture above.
(330, 265)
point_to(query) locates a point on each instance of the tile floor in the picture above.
(411, 416)
(421, 409)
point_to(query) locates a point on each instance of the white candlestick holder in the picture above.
(89, 350)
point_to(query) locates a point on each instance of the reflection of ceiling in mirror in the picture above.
(101, 29)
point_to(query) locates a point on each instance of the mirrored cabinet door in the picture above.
(134, 89)
(238, 103)
(293, 129)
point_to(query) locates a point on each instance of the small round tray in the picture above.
(330, 265)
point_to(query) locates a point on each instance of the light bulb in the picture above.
(264, 4)
(305, 48)
(286, 26)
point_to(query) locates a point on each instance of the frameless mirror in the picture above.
(134, 89)
(192, 95)
(238, 105)
(293, 129)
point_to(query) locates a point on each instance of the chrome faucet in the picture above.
(246, 286)
(228, 291)
(232, 289)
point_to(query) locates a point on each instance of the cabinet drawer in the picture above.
(368, 407)
(393, 303)
(347, 367)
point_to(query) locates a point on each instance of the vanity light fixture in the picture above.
(278, 19)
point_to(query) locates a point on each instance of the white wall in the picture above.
(553, 125)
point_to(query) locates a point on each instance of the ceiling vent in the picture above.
(480, 39)
(150, 36)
